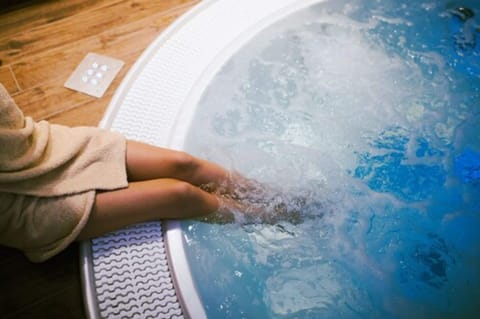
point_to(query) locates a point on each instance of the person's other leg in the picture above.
(146, 201)
(146, 162)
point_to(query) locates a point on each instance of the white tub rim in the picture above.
(174, 238)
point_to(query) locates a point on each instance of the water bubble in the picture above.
(352, 117)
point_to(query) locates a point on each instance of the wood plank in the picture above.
(30, 283)
(27, 15)
(77, 27)
(46, 98)
(116, 42)
(8, 80)
(55, 305)
(85, 114)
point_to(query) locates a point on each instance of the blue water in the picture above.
(370, 111)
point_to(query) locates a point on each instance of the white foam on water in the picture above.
(297, 109)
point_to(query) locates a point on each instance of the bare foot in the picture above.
(248, 201)
(251, 212)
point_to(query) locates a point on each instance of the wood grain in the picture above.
(41, 43)
(42, 99)
(8, 79)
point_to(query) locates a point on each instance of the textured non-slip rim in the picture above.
(155, 103)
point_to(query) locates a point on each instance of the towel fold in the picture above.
(48, 177)
(44, 159)
(43, 226)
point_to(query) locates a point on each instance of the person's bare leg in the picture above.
(146, 162)
(146, 201)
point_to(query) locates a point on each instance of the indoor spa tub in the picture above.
(361, 116)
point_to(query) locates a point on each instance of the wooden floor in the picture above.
(41, 43)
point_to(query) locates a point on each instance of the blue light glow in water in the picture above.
(369, 110)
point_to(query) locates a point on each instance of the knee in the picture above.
(185, 164)
(182, 191)
(180, 199)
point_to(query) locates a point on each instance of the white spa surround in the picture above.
(155, 103)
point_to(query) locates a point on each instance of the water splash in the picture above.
(365, 111)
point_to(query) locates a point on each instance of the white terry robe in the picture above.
(49, 175)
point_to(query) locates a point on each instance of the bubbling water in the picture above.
(342, 107)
